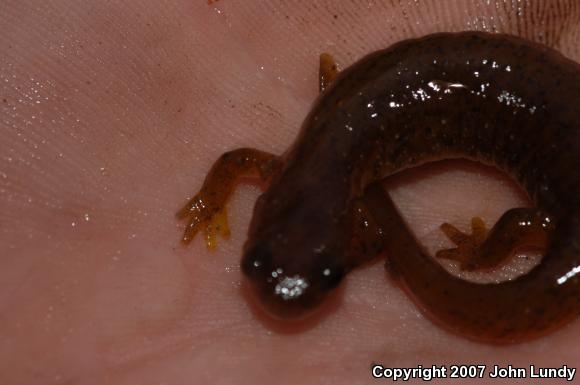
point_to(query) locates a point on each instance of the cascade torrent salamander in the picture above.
(493, 98)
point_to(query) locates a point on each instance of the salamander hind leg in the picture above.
(207, 209)
(468, 245)
(484, 249)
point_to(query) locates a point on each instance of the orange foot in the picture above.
(202, 216)
(467, 252)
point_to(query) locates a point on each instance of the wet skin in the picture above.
(139, 94)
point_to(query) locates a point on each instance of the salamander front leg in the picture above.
(207, 209)
(484, 250)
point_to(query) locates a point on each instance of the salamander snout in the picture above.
(289, 290)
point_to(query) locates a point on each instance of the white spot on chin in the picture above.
(291, 287)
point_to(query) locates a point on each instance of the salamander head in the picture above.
(293, 258)
(286, 292)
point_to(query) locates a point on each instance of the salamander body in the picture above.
(496, 99)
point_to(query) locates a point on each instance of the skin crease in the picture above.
(111, 114)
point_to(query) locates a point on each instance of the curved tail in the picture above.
(513, 311)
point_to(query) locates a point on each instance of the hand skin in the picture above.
(112, 113)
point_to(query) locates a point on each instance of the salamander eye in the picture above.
(255, 261)
(332, 276)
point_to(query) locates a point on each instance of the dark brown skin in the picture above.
(475, 95)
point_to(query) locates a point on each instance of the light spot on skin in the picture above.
(568, 275)
(291, 287)
(277, 272)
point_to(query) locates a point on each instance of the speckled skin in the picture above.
(494, 98)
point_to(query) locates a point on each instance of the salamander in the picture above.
(493, 98)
